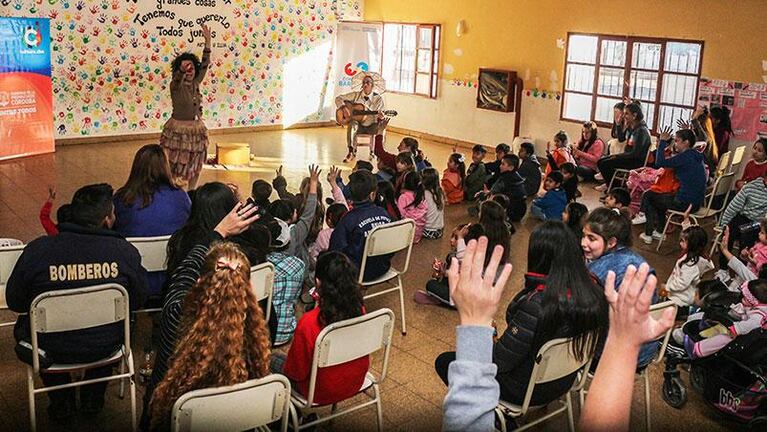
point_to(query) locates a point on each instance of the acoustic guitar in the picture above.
(357, 112)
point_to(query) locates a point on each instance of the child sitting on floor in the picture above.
(680, 287)
(552, 201)
(574, 217)
(475, 174)
(756, 255)
(435, 203)
(412, 203)
(561, 153)
(333, 214)
(453, 177)
(618, 198)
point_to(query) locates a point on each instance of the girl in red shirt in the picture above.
(757, 166)
(453, 177)
(340, 298)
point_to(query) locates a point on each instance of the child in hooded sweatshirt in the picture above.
(510, 184)
(529, 168)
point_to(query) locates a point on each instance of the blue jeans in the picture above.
(537, 212)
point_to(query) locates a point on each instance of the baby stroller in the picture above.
(732, 380)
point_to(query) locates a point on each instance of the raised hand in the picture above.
(471, 285)
(630, 320)
(314, 177)
(333, 175)
(206, 34)
(682, 124)
(665, 133)
(686, 218)
(235, 222)
(278, 172)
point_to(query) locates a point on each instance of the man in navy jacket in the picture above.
(352, 230)
(84, 253)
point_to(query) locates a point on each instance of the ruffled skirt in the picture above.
(186, 142)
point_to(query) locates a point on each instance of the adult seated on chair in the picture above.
(539, 313)
(351, 232)
(689, 168)
(224, 340)
(748, 206)
(370, 125)
(150, 204)
(637, 146)
(86, 252)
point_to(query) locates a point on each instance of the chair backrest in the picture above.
(737, 158)
(153, 251)
(77, 309)
(389, 238)
(554, 361)
(722, 186)
(262, 282)
(351, 339)
(8, 257)
(724, 162)
(656, 311)
(238, 407)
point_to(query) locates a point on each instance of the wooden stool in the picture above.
(233, 153)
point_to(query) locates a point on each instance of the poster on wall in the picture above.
(26, 107)
(358, 49)
(747, 103)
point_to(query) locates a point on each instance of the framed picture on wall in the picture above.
(496, 89)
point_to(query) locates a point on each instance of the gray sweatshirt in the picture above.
(473, 392)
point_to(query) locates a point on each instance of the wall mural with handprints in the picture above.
(111, 58)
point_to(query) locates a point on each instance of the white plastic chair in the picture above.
(262, 282)
(388, 239)
(737, 159)
(722, 186)
(245, 406)
(342, 342)
(8, 257)
(554, 361)
(724, 163)
(656, 311)
(154, 257)
(78, 309)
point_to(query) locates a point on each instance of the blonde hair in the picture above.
(225, 338)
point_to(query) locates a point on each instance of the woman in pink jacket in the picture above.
(590, 148)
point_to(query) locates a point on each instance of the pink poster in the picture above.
(747, 103)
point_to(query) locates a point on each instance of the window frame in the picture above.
(627, 70)
(435, 51)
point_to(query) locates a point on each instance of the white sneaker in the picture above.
(598, 176)
(639, 219)
(601, 188)
(645, 238)
(657, 235)
(723, 275)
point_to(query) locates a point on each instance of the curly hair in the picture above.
(176, 64)
(340, 294)
(225, 339)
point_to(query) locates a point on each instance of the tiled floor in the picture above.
(412, 393)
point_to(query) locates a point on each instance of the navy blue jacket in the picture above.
(75, 258)
(351, 232)
(689, 169)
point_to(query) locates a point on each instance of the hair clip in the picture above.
(462, 159)
(616, 210)
(222, 263)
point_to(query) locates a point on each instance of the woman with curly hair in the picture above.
(184, 135)
(339, 299)
(225, 341)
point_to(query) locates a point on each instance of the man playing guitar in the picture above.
(370, 124)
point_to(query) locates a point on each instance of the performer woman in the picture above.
(371, 124)
(185, 136)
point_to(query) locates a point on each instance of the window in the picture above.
(411, 58)
(601, 70)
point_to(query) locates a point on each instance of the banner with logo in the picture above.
(359, 48)
(26, 107)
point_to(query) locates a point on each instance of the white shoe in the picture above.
(723, 275)
(601, 188)
(639, 219)
(657, 235)
(645, 238)
(598, 176)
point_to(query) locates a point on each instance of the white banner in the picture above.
(182, 19)
(358, 49)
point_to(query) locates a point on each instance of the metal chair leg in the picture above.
(31, 391)
(402, 305)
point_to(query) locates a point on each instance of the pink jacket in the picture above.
(417, 213)
(589, 158)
